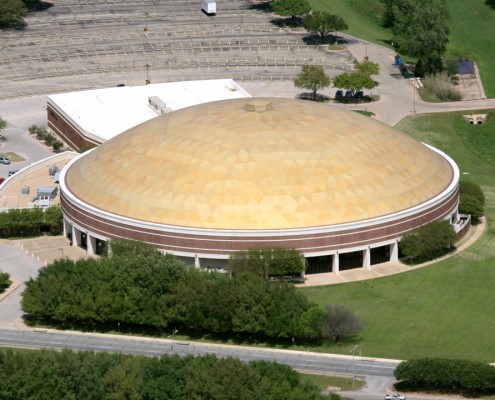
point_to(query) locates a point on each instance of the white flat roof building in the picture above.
(91, 117)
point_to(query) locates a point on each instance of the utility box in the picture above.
(209, 7)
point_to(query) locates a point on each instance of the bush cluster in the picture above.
(428, 241)
(441, 86)
(30, 221)
(43, 134)
(268, 262)
(47, 374)
(443, 375)
(4, 281)
(472, 199)
(141, 288)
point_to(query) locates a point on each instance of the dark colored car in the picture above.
(359, 95)
(348, 94)
(1, 180)
(339, 94)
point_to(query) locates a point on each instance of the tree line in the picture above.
(139, 288)
(30, 221)
(52, 375)
(470, 378)
(13, 12)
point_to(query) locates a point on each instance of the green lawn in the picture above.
(446, 309)
(324, 381)
(13, 156)
(472, 29)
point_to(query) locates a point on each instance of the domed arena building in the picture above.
(206, 181)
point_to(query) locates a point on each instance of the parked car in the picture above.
(395, 396)
(2, 180)
(348, 94)
(12, 172)
(339, 94)
(359, 95)
(4, 160)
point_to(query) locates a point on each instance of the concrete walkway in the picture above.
(389, 268)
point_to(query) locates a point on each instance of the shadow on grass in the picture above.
(490, 3)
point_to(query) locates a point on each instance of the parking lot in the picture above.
(83, 44)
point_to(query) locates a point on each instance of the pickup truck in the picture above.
(395, 396)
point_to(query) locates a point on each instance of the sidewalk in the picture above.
(389, 268)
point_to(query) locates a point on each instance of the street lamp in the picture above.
(414, 82)
(366, 51)
(173, 337)
(353, 351)
(147, 74)
(62, 250)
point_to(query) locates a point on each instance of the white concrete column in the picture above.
(91, 244)
(335, 263)
(394, 251)
(66, 226)
(76, 236)
(197, 263)
(367, 258)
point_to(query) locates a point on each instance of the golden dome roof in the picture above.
(266, 163)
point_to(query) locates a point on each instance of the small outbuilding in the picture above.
(46, 194)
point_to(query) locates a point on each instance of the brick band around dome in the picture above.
(208, 180)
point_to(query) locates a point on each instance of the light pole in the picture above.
(62, 250)
(147, 74)
(366, 51)
(353, 351)
(414, 83)
(173, 337)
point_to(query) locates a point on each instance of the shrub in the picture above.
(4, 280)
(428, 241)
(57, 144)
(452, 376)
(440, 85)
(472, 199)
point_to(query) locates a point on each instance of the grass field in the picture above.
(324, 381)
(446, 309)
(472, 29)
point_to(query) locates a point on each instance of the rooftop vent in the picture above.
(259, 105)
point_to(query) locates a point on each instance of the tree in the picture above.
(312, 77)
(354, 81)
(447, 375)
(267, 262)
(4, 281)
(322, 23)
(421, 30)
(428, 241)
(339, 322)
(12, 13)
(368, 67)
(3, 123)
(290, 8)
(472, 199)
(53, 217)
